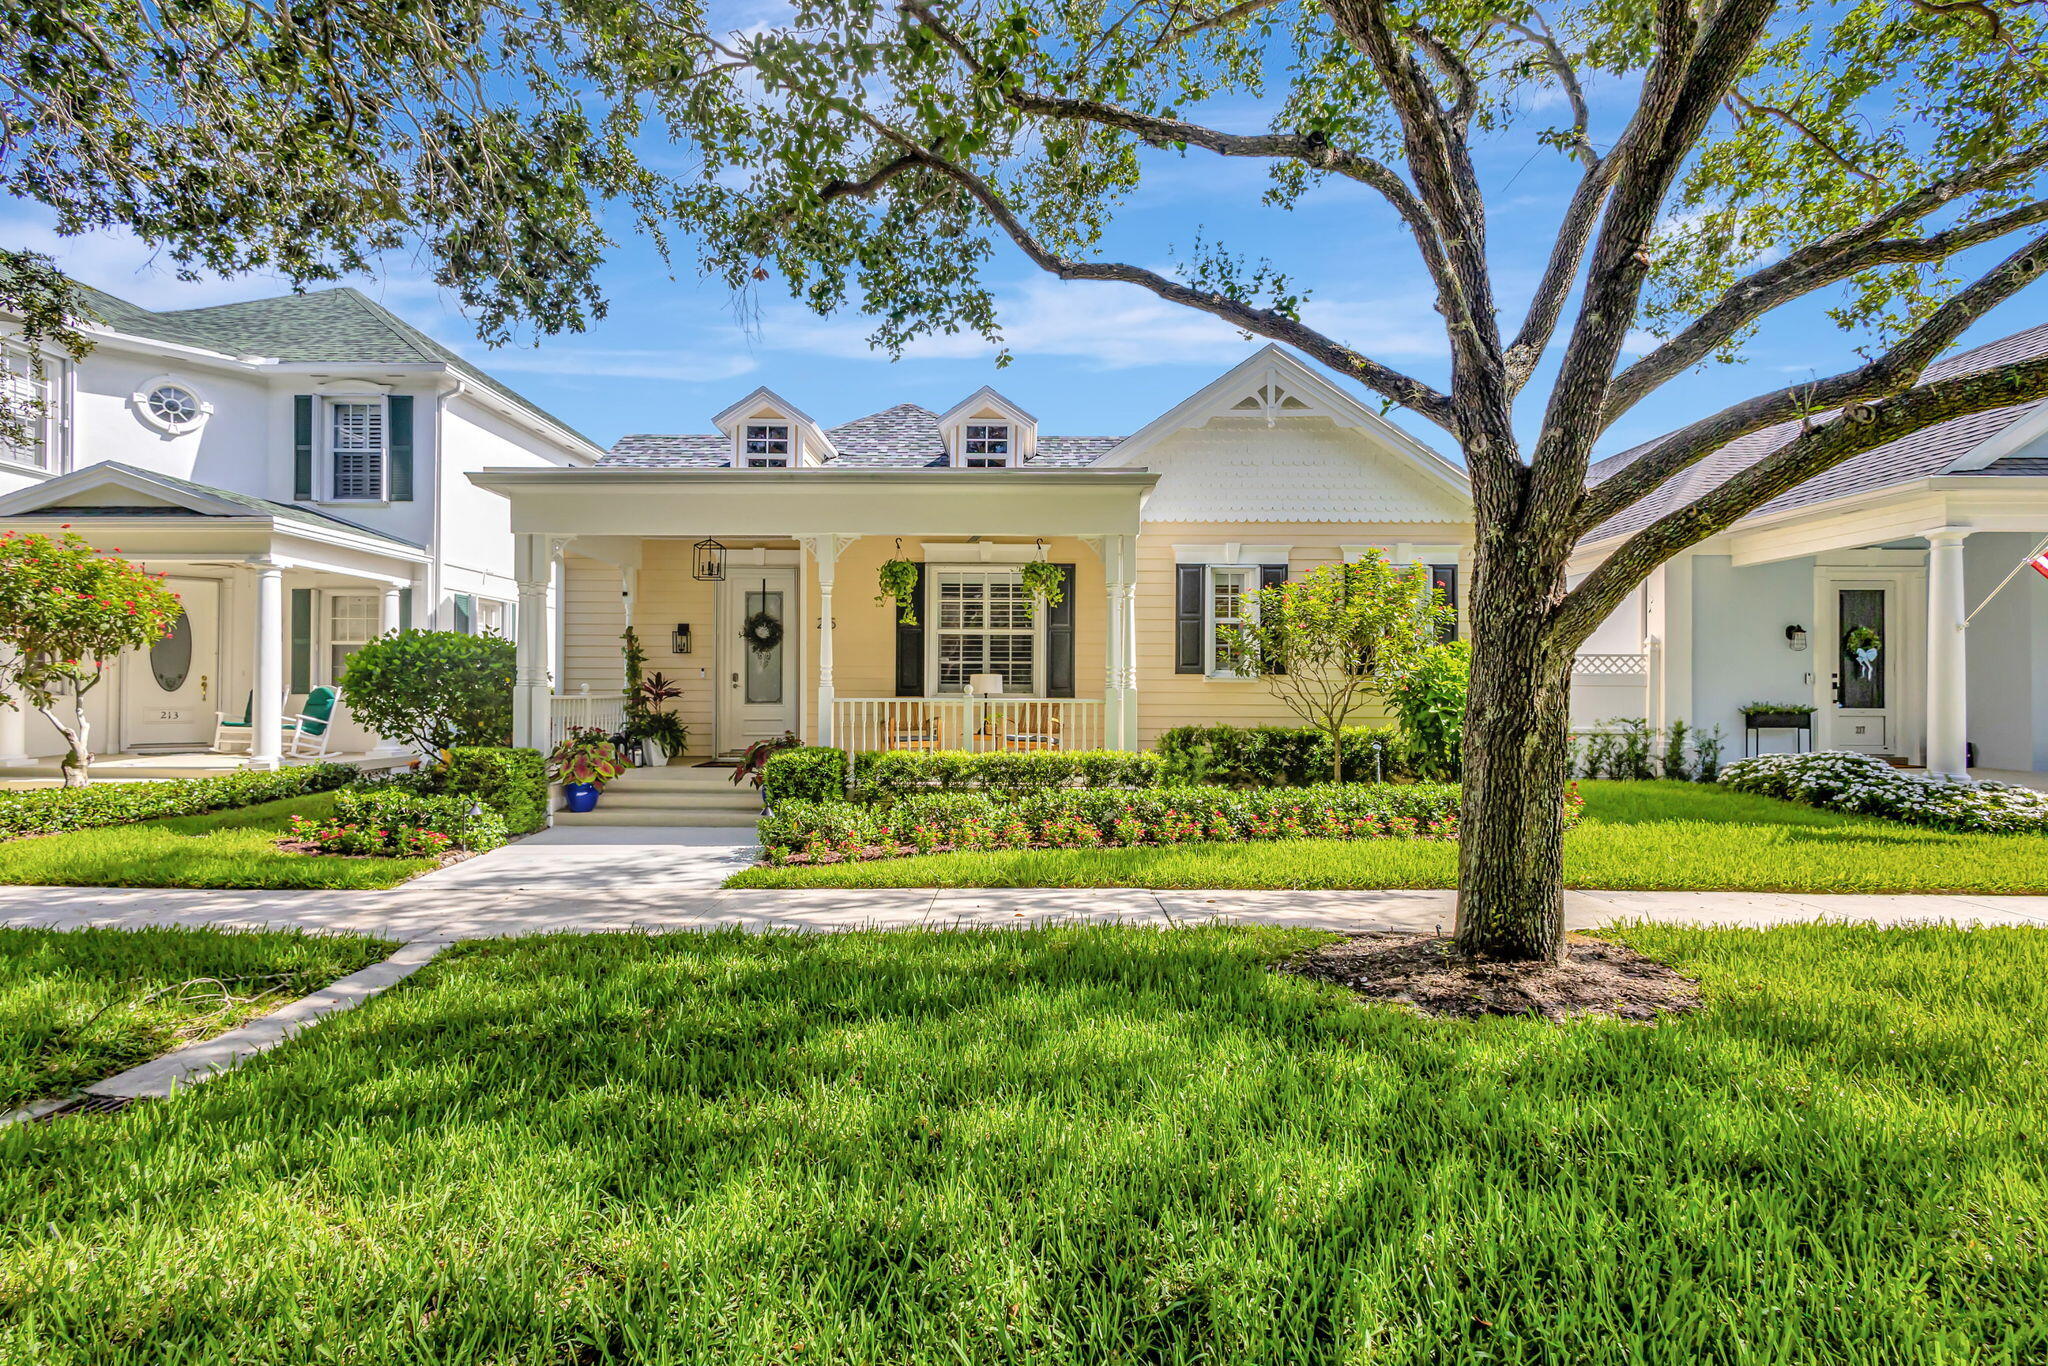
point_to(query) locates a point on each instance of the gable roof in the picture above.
(1944, 448)
(903, 436)
(339, 326)
(178, 497)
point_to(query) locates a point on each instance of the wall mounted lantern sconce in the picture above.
(680, 643)
(708, 561)
(1795, 636)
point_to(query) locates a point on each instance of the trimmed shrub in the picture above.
(808, 773)
(1858, 783)
(512, 782)
(1429, 697)
(1275, 756)
(394, 823)
(1083, 817)
(46, 811)
(887, 774)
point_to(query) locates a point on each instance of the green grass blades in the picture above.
(1636, 836)
(222, 849)
(1070, 1146)
(80, 1005)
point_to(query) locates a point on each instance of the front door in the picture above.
(757, 656)
(173, 687)
(1863, 718)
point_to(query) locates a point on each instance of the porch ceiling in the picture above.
(821, 502)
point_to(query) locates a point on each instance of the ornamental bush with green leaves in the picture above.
(66, 612)
(1275, 756)
(434, 690)
(512, 782)
(1428, 695)
(1839, 780)
(391, 822)
(47, 811)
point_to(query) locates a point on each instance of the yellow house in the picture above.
(748, 560)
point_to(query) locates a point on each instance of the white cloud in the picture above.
(556, 358)
(1115, 326)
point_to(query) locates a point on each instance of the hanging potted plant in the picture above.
(584, 763)
(1862, 645)
(1044, 582)
(898, 579)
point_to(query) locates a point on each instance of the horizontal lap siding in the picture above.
(593, 615)
(671, 594)
(1167, 699)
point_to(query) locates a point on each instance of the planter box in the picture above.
(1778, 720)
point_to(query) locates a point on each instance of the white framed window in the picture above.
(35, 410)
(171, 405)
(353, 621)
(356, 448)
(982, 623)
(985, 445)
(766, 446)
(1232, 601)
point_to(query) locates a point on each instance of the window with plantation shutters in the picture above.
(356, 448)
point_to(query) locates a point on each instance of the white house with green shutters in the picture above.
(298, 467)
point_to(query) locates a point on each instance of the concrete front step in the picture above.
(608, 814)
(677, 779)
(681, 798)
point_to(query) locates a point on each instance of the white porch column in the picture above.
(13, 726)
(266, 740)
(532, 565)
(1947, 660)
(388, 624)
(1123, 553)
(825, 552)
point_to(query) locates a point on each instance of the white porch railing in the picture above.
(970, 723)
(606, 711)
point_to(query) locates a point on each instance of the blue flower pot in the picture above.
(582, 796)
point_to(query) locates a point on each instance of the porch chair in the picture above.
(309, 733)
(913, 728)
(229, 732)
(1032, 726)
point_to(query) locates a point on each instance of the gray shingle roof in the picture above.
(341, 326)
(904, 436)
(1927, 452)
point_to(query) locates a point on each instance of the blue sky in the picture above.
(1089, 358)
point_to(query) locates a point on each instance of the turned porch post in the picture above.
(532, 564)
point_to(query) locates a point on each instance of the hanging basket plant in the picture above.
(1044, 582)
(898, 579)
(763, 632)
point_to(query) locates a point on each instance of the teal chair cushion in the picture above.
(248, 712)
(319, 711)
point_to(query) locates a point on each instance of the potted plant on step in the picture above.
(584, 763)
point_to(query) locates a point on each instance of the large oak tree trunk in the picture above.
(1511, 831)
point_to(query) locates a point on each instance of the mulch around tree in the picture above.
(1424, 972)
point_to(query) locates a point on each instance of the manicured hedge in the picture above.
(44, 811)
(393, 822)
(1082, 817)
(889, 774)
(1842, 781)
(512, 782)
(1275, 756)
(811, 773)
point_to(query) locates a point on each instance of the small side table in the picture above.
(1755, 722)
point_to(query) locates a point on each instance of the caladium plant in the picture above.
(588, 756)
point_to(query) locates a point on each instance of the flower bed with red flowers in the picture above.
(803, 832)
(390, 822)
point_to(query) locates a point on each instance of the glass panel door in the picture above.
(1861, 646)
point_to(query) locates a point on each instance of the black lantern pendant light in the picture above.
(709, 562)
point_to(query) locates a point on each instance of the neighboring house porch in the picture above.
(276, 597)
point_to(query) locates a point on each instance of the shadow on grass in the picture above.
(1070, 1145)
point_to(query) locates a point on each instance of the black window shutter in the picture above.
(405, 609)
(400, 417)
(1059, 639)
(1272, 576)
(1444, 577)
(302, 640)
(302, 447)
(1190, 586)
(910, 644)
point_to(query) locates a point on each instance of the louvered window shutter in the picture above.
(302, 640)
(910, 644)
(302, 447)
(401, 447)
(357, 452)
(1444, 578)
(1059, 639)
(405, 609)
(1272, 576)
(1190, 590)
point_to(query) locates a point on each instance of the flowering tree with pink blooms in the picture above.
(66, 611)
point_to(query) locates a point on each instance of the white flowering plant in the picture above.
(1841, 781)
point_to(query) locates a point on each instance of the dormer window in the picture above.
(767, 446)
(985, 445)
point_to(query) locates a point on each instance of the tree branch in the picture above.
(1740, 104)
(1898, 368)
(1859, 428)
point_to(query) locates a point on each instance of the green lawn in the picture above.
(1065, 1146)
(80, 1005)
(1645, 836)
(220, 849)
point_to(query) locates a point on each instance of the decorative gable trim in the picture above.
(812, 446)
